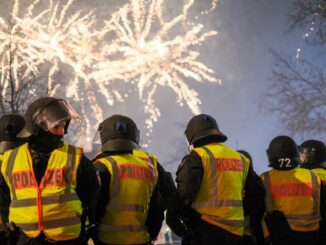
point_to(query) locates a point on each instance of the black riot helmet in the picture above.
(283, 153)
(202, 126)
(47, 112)
(118, 133)
(312, 153)
(10, 127)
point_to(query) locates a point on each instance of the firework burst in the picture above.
(19, 57)
(155, 52)
(139, 47)
(49, 32)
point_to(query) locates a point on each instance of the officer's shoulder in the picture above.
(100, 157)
(263, 174)
(190, 160)
(73, 146)
(303, 170)
(147, 153)
(8, 152)
(243, 157)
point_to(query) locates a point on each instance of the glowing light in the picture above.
(155, 52)
(310, 31)
(139, 47)
(297, 55)
(54, 35)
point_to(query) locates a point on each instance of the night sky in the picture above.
(240, 56)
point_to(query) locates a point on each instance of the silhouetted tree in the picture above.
(18, 85)
(297, 89)
(310, 15)
(298, 94)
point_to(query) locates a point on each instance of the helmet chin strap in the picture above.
(190, 146)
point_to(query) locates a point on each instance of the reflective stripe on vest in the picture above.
(126, 213)
(298, 222)
(214, 202)
(50, 224)
(45, 200)
(54, 200)
(114, 189)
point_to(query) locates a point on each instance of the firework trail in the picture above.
(19, 58)
(151, 53)
(139, 47)
(46, 33)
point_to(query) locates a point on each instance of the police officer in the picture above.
(133, 188)
(47, 180)
(10, 126)
(313, 156)
(211, 181)
(293, 196)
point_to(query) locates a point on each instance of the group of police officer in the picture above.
(50, 193)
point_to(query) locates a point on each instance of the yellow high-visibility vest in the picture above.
(220, 196)
(1, 222)
(133, 179)
(321, 173)
(296, 193)
(53, 206)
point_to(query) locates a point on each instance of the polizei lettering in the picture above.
(52, 177)
(291, 189)
(131, 171)
(23, 179)
(229, 164)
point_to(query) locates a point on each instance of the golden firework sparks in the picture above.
(155, 52)
(138, 46)
(48, 32)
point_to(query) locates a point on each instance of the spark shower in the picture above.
(139, 47)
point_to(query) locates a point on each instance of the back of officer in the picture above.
(46, 180)
(126, 204)
(293, 196)
(211, 181)
(313, 156)
(10, 126)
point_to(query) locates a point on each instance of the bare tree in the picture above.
(311, 16)
(18, 86)
(298, 93)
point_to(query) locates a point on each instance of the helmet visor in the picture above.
(305, 154)
(56, 113)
